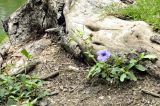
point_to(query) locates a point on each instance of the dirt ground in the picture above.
(71, 88)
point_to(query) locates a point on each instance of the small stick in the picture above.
(53, 93)
(151, 93)
(52, 75)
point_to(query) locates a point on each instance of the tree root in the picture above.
(151, 93)
(52, 75)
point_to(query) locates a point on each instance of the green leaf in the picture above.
(122, 70)
(133, 61)
(108, 79)
(11, 102)
(150, 56)
(122, 77)
(132, 76)
(91, 71)
(140, 67)
(26, 103)
(43, 94)
(101, 64)
(130, 66)
(97, 71)
(26, 53)
(115, 70)
(104, 75)
(141, 55)
(2, 92)
(34, 101)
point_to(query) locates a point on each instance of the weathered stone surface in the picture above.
(104, 33)
(153, 69)
(3, 51)
(86, 29)
(31, 20)
(16, 63)
(155, 39)
(23, 66)
(4, 48)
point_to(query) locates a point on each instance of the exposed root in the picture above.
(151, 93)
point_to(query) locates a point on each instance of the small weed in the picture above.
(84, 40)
(20, 89)
(25, 53)
(77, 34)
(114, 67)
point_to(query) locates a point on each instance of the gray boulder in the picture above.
(30, 21)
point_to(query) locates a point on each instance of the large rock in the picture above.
(31, 20)
(16, 62)
(86, 29)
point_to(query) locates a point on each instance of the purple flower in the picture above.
(103, 55)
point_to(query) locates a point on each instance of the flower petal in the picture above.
(102, 58)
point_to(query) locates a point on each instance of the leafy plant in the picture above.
(26, 54)
(20, 89)
(79, 36)
(115, 67)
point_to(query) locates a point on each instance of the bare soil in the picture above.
(71, 88)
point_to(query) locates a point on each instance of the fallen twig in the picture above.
(53, 93)
(151, 93)
(52, 75)
(50, 30)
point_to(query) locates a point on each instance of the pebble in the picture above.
(101, 97)
(72, 68)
